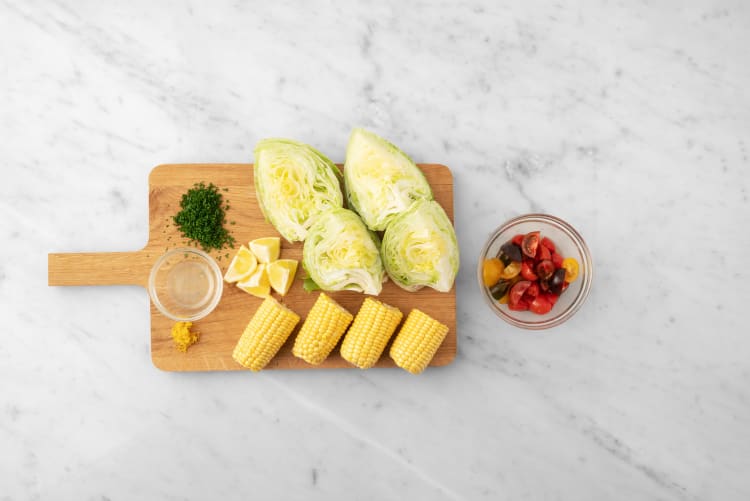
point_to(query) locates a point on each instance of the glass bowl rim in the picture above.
(586, 276)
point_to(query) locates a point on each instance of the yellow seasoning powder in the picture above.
(183, 336)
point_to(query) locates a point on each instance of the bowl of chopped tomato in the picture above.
(535, 271)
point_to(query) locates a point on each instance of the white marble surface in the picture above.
(630, 120)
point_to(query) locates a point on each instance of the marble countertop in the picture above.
(631, 121)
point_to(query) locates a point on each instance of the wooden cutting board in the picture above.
(222, 328)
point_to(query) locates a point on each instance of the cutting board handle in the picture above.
(100, 268)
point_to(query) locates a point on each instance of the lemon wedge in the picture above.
(281, 274)
(266, 249)
(242, 265)
(257, 283)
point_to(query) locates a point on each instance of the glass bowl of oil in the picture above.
(185, 284)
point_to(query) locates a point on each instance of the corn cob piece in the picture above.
(323, 327)
(267, 331)
(417, 341)
(369, 333)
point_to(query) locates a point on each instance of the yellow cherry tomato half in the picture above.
(492, 269)
(511, 271)
(570, 266)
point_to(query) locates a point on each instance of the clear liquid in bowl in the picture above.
(189, 283)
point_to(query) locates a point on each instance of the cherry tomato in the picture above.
(543, 253)
(516, 292)
(500, 289)
(511, 251)
(518, 239)
(530, 243)
(492, 269)
(557, 281)
(571, 269)
(548, 244)
(531, 292)
(557, 259)
(527, 271)
(520, 305)
(540, 305)
(565, 286)
(511, 271)
(552, 298)
(545, 269)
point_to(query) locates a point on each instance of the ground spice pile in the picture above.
(203, 216)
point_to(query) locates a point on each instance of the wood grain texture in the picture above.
(222, 328)
(99, 268)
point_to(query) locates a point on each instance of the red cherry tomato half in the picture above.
(540, 305)
(548, 244)
(518, 240)
(527, 270)
(517, 291)
(531, 292)
(543, 253)
(520, 305)
(530, 243)
(557, 259)
(545, 269)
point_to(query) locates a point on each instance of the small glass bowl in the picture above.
(569, 244)
(185, 284)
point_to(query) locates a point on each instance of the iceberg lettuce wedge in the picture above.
(380, 180)
(340, 253)
(295, 183)
(420, 248)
